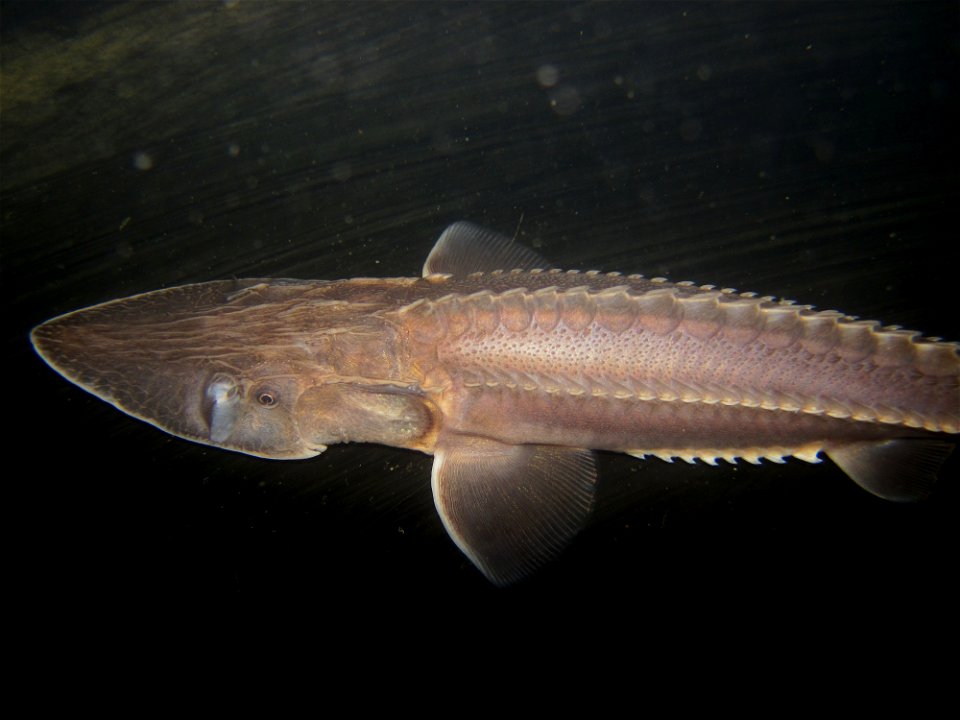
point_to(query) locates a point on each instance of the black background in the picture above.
(800, 150)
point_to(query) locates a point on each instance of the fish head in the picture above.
(219, 363)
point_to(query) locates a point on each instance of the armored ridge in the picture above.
(656, 341)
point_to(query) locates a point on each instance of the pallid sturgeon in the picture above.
(510, 373)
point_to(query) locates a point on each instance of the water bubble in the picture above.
(548, 75)
(565, 100)
(142, 161)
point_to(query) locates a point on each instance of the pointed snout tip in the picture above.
(47, 340)
(42, 337)
(39, 337)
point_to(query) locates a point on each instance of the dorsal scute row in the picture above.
(702, 312)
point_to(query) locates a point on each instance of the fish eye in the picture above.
(268, 398)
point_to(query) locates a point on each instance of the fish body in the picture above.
(511, 374)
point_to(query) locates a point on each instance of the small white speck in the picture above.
(565, 100)
(548, 75)
(142, 161)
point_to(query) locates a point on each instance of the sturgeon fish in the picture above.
(511, 373)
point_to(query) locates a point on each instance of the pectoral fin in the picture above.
(901, 470)
(511, 508)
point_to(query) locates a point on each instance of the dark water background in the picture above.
(802, 150)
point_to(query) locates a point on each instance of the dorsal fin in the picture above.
(465, 248)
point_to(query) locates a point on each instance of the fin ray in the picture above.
(900, 470)
(511, 508)
(465, 248)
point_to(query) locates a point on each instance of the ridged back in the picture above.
(632, 337)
